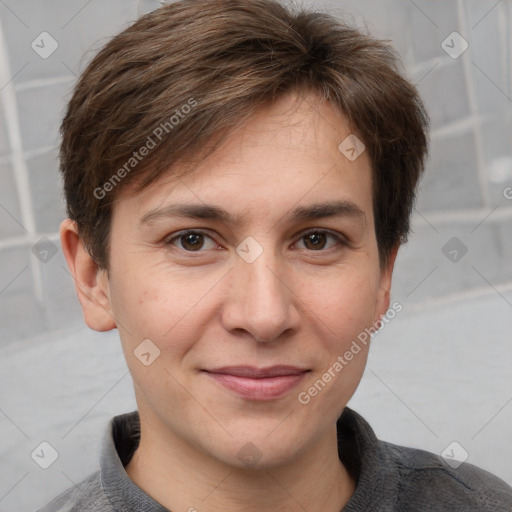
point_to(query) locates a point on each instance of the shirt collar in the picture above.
(358, 449)
(121, 440)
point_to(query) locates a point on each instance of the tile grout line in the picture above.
(19, 167)
(473, 107)
(507, 64)
(456, 127)
(459, 297)
(503, 33)
(43, 82)
(471, 215)
(508, 46)
(425, 65)
(16, 241)
(8, 100)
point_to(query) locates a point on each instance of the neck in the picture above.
(181, 477)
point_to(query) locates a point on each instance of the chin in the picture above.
(258, 452)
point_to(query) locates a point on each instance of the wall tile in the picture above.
(46, 190)
(4, 139)
(444, 92)
(451, 179)
(379, 18)
(431, 22)
(75, 26)
(21, 314)
(11, 222)
(487, 257)
(62, 307)
(40, 113)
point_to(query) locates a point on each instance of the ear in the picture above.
(91, 282)
(386, 275)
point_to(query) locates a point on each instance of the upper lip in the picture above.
(259, 373)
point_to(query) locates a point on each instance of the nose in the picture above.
(260, 299)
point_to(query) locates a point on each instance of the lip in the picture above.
(258, 383)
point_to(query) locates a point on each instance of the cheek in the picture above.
(343, 311)
(162, 308)
(345, 303)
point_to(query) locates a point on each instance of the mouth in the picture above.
(258, 383)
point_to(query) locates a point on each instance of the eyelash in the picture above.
(341, 240)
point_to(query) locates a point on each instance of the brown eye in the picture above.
(192, 241)
(317, 240)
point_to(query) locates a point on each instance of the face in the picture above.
(288, 277)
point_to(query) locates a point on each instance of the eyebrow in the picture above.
(343, 208)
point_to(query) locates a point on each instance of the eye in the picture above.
(316, 239)
(192, 241)
(195, 240)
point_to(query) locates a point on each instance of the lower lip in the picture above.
(258, 389)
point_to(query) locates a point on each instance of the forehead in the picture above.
(290, 151)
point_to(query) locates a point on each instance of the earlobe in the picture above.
(91, 282)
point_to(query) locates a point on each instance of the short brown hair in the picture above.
(210, 65)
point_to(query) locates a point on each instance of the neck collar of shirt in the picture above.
(358, 449)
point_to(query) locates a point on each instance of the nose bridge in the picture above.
(260, 277)
(260, 301)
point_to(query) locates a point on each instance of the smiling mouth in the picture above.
(258, 383)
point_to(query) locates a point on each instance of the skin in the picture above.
(297, 303)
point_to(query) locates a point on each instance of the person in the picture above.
(239, 176)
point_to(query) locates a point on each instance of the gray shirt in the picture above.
(389, 477)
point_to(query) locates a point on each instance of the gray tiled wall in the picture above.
(461, 206)
(469, 99)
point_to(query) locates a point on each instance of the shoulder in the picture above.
(87, 496)
(428, 481)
